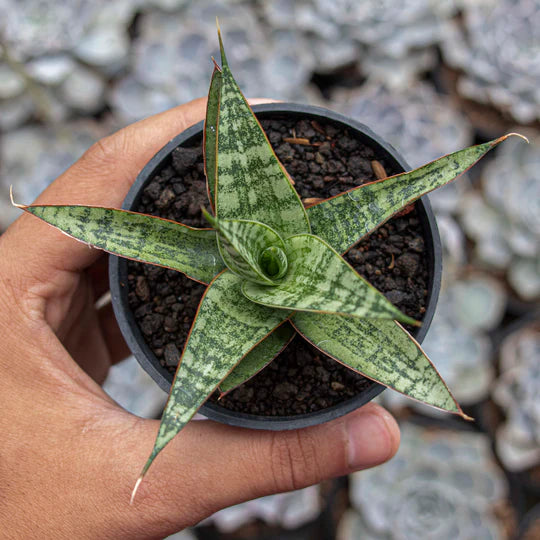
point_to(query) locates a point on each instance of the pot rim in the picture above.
(145, 357)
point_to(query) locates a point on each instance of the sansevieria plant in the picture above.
(268, 261)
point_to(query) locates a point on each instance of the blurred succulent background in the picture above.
(430, 76)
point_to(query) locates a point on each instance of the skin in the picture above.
(69, 455)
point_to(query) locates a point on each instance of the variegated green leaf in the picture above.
(210, 134)
(140, 237)
(382, 351)
(252, 183)
(320, 280)
(227, 326)
(345, 219)
(250, 249)
(258, 358)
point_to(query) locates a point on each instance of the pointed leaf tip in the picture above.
(504, 137)
(141, 477)
(224, 62)
(13, 203)
(135, 489)
(257, 186)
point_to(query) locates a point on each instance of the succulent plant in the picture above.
(441, 484)
(166, 67)
(417, 121)
(420, 123)
(94, 32)
(186, 534)
(56, 57)
(504, 219)
(392, 41)
(287, 510)
(516, 392)
(269, 261)
(496, 44)
(54, 149)
(326, 39)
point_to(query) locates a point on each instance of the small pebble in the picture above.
(171, 355)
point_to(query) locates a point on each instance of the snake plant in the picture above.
(272, 266)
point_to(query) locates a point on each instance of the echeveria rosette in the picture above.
(272, 265)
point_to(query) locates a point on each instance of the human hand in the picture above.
(70, 455)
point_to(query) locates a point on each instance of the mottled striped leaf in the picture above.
(382, 351)
(252, 184)
(258, 358)
(210, 134)
(320, 280)
(345, 219)
(140, 237)
(250, 249)
(227, 326)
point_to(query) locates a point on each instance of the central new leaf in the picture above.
(250, 249)
(252, 182)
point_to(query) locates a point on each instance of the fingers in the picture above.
(210, 466)
(95, 451)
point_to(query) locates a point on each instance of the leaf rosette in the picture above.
(273, 267)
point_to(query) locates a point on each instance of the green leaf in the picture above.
(382, 351)
(252, 183)
(320, 280)
(345, 219)
(227, 326)
(210, 134)
(139, 237)
(245, 247)
(258, 358)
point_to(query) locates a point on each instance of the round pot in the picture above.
(118, 270)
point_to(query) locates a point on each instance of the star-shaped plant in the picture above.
(268, 261)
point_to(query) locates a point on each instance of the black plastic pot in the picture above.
(134, 338)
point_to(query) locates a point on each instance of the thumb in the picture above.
(210, 466)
